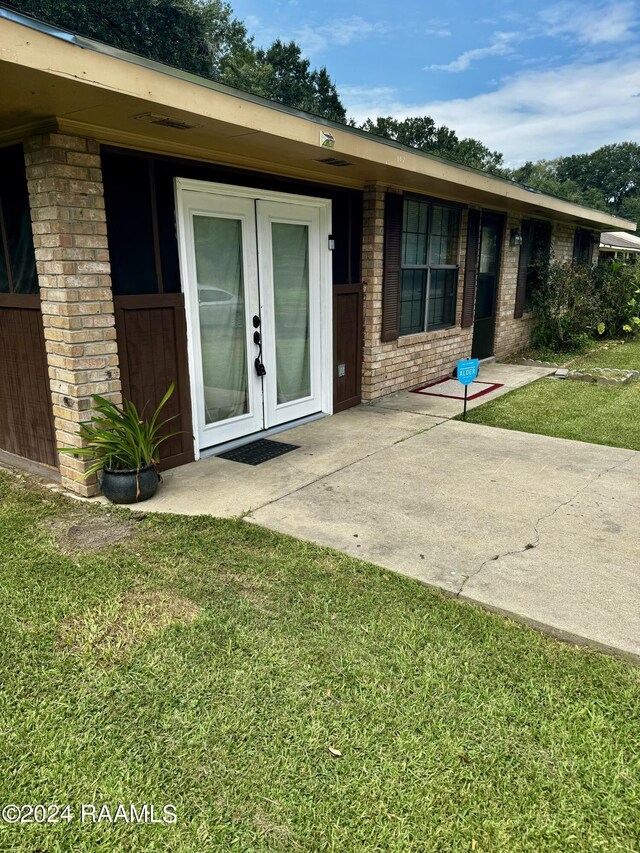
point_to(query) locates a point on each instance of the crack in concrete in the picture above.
(530, 546)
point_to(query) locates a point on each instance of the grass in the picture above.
(597, 353)
(214, 665)
(623, 355)
(569, 409)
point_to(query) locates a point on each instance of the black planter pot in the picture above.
(129, 486)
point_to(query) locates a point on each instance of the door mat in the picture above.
(454, 390)
(258, 451)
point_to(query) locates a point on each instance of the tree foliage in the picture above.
(422, 132)
(282, 74)
(200, 36)
(204, 37)
(607, 179)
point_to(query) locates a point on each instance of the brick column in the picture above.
(70, 238)
(372, 276)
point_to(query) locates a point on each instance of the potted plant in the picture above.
(124, 446)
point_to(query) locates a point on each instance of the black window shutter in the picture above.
(471, 268)
(523, 266)
(393, 206)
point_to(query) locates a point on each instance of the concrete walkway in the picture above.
(542, 529)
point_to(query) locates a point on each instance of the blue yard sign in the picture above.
(466, 372)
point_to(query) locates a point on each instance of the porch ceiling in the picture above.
(79, 86)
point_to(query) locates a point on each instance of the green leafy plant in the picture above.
(566, 306)
(119, 438)
(618, 290)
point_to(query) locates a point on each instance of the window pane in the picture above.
(488, 250)
(17, 222)
(445, 225)
(539, 256)
(414, 232)
(221, 312)
(412, 297)
(291, 304)
(442, 298)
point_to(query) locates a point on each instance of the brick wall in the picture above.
(514, 334)
(411, 359)
(70, 238)
(511, 334)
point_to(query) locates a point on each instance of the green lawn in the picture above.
(622, 356)
(570, 409)
(213, 665)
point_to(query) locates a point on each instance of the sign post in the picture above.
(466, 372)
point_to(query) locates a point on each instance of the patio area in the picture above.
(536, 527)
(219, 487)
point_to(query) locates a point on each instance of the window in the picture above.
(538, 253)
(429, 266)
(17, 256)
(583, 247)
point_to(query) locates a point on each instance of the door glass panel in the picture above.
(488, 250)
(221, 314)
(290, 248)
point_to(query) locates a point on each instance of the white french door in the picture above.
(255, 271)
(289, 270)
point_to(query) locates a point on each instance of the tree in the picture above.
(613, 169)
(607, 179)
(543, 176)
(282, 74)
(421, 132)
(199, 36)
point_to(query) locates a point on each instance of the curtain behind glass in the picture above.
(219, 272)
(290, 248)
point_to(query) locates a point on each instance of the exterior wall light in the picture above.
(515, 237)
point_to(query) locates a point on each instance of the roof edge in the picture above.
(96, 46)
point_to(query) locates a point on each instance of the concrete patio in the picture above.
(542, 529)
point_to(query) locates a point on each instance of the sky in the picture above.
(531, 78)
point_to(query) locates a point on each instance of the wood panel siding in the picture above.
(152, 345)
(26, 417)
(347, 345)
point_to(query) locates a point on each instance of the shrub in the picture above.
(618, 290)
(566, 307)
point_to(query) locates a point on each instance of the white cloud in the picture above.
(441, 33)
(591, 24)
(532, 115)
(340, 32)
(501, 45)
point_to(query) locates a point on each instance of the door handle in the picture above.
(261, 370)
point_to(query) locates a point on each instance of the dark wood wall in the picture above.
(26, 418)
(140, 207)
(152, 347)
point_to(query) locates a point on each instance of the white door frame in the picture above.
(187, 274)
(270, 212)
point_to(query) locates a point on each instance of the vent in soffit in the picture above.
(165, 121)
(334, 161)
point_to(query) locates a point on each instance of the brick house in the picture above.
(155, 226)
